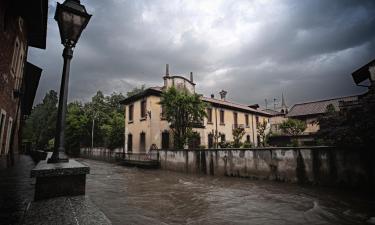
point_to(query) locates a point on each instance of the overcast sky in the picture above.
(253, 49)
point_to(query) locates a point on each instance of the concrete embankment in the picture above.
(317, 165)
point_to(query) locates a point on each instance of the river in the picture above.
(138, 196)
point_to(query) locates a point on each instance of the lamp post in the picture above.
(71, 18)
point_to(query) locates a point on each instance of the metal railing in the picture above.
(138, 156)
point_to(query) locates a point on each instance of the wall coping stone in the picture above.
(44, 169)
(250, 149)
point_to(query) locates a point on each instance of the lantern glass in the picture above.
(72, 18)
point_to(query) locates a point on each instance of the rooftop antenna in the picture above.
(274, 103)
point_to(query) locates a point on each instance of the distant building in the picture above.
(145, 126)
(309, 112)
(277, 115)
(22, 24)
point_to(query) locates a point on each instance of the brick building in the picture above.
(23, 24)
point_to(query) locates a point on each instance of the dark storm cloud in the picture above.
(253, 49)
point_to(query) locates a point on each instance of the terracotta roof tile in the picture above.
(317, 107)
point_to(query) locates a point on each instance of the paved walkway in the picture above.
(17, 205)
(16, 188)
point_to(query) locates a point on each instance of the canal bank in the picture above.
(138, 196)
(318, 165)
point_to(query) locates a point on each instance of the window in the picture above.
(209, 115)
(131, 112)
(248, 138)
(222, 137)
(195, 141)
(222, 117)
(2, 126)
(257, 121)
(235, 119)
(16, 50)
(19, 68)
(210, 140)
(247, 120)
(143, 109)
(9, 131)
(130, 143)
(165, 140)
(142, 142)
(162, 114)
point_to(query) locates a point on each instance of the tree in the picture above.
(40, 126)
(183, 111)
(136, 90)
(237, 134)
(77, 128)
(293, 127)
(261, 130)
(352, 127)
(103, 113)
(114, 130)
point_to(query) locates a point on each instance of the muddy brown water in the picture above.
(138, 196)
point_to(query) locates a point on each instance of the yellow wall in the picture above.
(154, 126)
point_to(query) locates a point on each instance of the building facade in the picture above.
(145, 127)
(22, 24)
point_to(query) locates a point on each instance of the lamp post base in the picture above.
(62, 158)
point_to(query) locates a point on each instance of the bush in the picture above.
(226, 144)
(247, 144)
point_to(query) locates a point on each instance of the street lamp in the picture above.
(71, 18)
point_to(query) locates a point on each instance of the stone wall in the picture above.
(316, 165)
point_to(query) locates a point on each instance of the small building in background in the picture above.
(309, 112)
(23, 24)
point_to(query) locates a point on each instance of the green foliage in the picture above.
(353, 127)
(237, 134)
(77, 128)
(136, 90)
(193, 139)
(261, 130)
(183, 111)
(40, 126)
(247, 144)
(103, 112)
(293, 127)
(226, 144)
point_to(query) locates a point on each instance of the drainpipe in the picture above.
(252, 125)
(216, 132)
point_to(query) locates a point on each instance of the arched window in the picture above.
(165, 140)
(248, 138)
(142, 142)
(130, 143)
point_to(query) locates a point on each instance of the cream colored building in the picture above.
(145, 127)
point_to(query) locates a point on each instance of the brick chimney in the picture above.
(223, 94)
(167, 70)
(191, 77)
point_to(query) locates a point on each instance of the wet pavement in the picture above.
(16, 188)
(136, 196)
